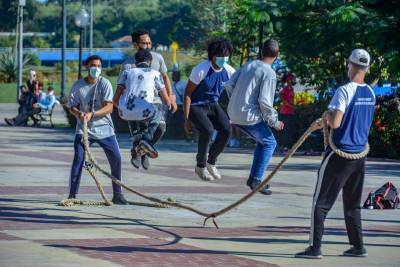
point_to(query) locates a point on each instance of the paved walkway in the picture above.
(264, 231)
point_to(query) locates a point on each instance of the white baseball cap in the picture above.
(360, 57)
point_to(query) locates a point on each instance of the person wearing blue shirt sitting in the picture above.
(47, 102)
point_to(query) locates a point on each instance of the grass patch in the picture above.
(8, 91)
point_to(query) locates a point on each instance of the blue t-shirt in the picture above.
(209, 82)
(357, 102)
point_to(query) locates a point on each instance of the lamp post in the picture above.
(91, 28)
(21, 4)
(81, 21)
(64, 46)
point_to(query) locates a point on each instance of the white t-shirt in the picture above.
(200, 71)
(142, 86)
(344, 95)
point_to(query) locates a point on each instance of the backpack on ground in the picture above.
(386, 197)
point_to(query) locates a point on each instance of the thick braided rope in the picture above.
(313, 127)
(105, 202)
(328, 140)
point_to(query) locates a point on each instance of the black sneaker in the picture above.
(265, 190)
(353, 252)
(135, 159)
(148, 148)
(71, 196)
(10, 122)
(119, 199)
(249, 181)
(309, 253)
(145, 162)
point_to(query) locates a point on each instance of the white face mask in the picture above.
(94, 72)
(221, 61)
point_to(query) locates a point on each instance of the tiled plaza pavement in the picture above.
(265, 231)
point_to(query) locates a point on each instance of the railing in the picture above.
(34, 50)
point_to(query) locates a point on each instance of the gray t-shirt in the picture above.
(82, 96)
(252, 91)
(157, 64)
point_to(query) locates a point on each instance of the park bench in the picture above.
(45, 115)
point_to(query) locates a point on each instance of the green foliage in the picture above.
(40, 43)
(385, 132)
(9, 65)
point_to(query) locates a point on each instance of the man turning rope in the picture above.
(91, 99)
(350, 114)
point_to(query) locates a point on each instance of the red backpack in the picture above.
(386, 197)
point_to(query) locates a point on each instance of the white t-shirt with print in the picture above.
(344, 95)
(142, 86)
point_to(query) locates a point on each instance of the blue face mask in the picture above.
(221, 61)
(95, 72)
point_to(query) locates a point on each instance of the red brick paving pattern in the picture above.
(151, 252)
(4, 236)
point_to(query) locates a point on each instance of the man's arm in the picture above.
(165, 98)
(187, 100)
(265, 100)
(169, 92)
(231, 83)
(118, 93)
(334, 118)
(106, 109)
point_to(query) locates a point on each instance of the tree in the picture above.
(317, 37)
(9, 65)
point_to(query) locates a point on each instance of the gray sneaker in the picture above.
(203, 174)
(212, 169)
(135, 159)
(145, 162)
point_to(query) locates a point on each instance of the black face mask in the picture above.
(148, 49)
(143, 65)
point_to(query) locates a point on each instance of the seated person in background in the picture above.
(28, 110)
(137, 89)
(23, 94)
(48, 102)
(41, 93)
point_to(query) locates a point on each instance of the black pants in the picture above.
(334, 174)
(287, 132)
(206, 118)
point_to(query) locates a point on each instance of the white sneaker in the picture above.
(203, 174)
(212, 169)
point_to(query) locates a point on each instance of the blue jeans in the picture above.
(151, 129)
(110, 147)
(265, 147)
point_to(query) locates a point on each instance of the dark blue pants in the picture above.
(110, 147)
